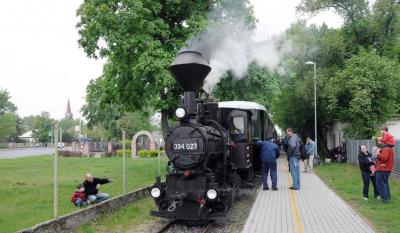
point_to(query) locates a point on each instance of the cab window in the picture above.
(237, 126)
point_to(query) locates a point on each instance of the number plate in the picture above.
(185, 145)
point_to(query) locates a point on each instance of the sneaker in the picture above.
(365, 198)
(265, 189)
(274, 188)
(378, 198)
(293, 188)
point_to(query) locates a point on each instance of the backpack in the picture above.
(303, 152)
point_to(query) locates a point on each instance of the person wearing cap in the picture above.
(269, 152)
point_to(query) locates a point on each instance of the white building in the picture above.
(27, 137)
(335, 134)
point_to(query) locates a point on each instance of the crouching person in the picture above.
(79, 197)
(92, 185)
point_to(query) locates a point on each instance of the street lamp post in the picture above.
(315, 104)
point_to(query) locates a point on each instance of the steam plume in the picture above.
(227, 43)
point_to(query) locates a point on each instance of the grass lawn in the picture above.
(26, 185)
(123, 219)
(346, 181)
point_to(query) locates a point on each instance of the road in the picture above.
(24, 152)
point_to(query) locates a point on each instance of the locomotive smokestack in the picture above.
(190, 69)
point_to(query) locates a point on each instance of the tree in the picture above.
(68, 129)
(259, 85)
(5, 104)
(134, 122)
(139, 40)
(363, 94)
(7, 126)
(41, 125)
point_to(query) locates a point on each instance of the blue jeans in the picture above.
(294, 165)
(271, 168)
(80, 203)
(367, 178)
(382, 181)
(98, 197)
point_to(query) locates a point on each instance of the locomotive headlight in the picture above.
(180, 113)
(212, 194)
(155, 192)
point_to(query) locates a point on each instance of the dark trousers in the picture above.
(366, 180)
(271, 168)
(382, 180)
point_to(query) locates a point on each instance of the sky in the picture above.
(42, 66)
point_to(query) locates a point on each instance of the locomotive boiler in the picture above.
(210, 154)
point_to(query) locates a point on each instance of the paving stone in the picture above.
(319, 208)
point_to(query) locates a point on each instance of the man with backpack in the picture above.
(294, 155)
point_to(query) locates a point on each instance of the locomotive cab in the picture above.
(246, 123)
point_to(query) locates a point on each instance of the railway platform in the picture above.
(313, 209)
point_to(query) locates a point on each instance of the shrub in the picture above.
(149, 153)
(127, 144)
(127, 153)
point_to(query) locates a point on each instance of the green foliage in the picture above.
(149, 153)
(356, 69)
(41, 126)
(68, 129)
(363, 93)
(5, 104)
(8, 126)
(259, 86)
(139, 40)
(128, 153)
(134, 122)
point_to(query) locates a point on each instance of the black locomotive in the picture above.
(210, 150)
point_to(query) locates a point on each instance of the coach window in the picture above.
(238, 125)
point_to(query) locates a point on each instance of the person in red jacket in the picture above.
(384, 163)
(79, 197)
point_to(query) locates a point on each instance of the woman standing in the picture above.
(365, 161)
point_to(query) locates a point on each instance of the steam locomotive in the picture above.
(210, 150)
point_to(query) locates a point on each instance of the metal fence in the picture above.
(352, 149)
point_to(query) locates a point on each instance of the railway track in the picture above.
(205, 229)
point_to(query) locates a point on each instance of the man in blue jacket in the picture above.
(269, 152)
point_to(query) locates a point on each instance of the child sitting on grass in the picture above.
(79, 197)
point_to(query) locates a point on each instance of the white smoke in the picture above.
(229, 46)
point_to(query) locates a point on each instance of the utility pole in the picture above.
(315, 105)
(55, 191)
(123, 163)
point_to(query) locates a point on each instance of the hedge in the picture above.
(149, 153)
(127, 153)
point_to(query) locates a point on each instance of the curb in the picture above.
(70, 222)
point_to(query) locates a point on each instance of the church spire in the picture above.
(68, 114)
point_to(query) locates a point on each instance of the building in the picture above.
(335, 134)
(68, 113)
